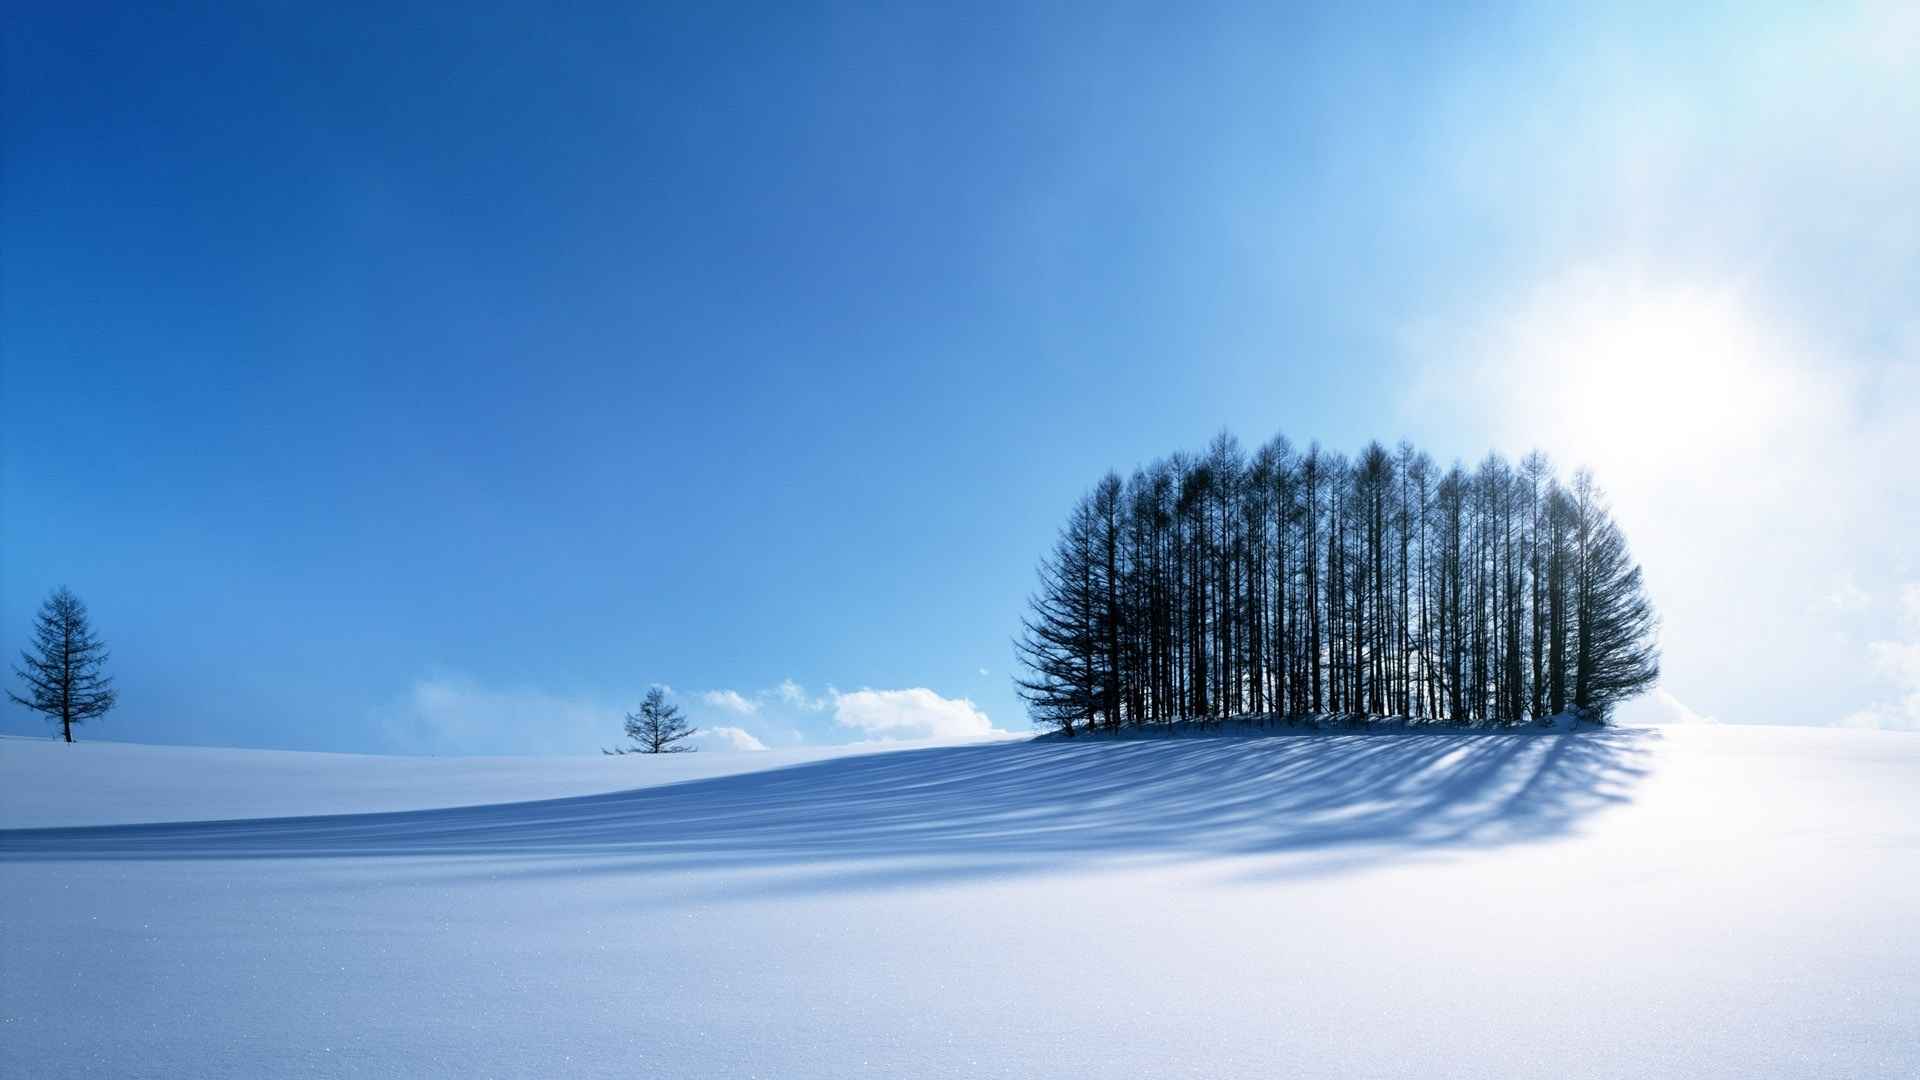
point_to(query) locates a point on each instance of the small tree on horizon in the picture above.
(62, 673)
(658, 728)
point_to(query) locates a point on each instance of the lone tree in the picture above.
(63, 680)
(658, 728)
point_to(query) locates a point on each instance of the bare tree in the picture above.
(658, 728)
(62, 672)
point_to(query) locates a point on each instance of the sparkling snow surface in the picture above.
(1686, 902)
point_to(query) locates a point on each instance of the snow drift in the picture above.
(1704, 902)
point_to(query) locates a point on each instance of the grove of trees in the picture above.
(1303, 583)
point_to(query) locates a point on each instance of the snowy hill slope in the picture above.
(44, 782)
(1702, 902)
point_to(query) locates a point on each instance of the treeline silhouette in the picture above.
(1302, 583)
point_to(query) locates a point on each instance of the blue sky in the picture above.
(410, 380)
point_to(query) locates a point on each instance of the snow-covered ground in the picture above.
(43, 782)
(1698, 902)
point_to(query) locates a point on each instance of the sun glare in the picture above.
(1636, 381)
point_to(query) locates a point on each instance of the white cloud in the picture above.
(731, 701)
(1901, 716)
(1910, 606)
(1849, 596)
(1897, 661)
(452, 714)
(916, 713)
(793, 694)
(1896, 664)
(721, 737)
(985, 672)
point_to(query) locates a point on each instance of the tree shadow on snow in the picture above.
(1325, 801)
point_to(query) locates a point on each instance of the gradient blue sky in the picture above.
(404, 379)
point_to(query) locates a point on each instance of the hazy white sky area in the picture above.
(1719, 317)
